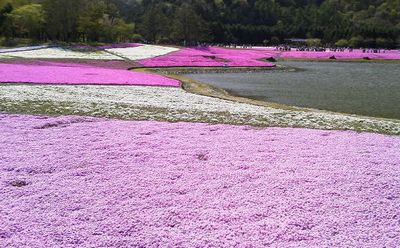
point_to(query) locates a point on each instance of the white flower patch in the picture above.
(142, 52)
(60, 53)
(18, 49)
(172, 104)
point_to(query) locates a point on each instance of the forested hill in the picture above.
(353, 23)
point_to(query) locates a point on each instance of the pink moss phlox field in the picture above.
(210, 57)
(340, 55)
(78, 74)
(87, 182)
(356, 54)
(111, 64)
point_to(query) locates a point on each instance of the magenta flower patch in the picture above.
(60, 73)
(340, 55)
(88, 182)
(346, 55)
(219, 57)
(210, 57)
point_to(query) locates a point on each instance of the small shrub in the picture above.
(342, 43)
(314, 42)
(137, 38)
(355, 41)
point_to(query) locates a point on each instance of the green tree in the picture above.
(222, 21)
(122, 30)
(314, 42)
(91, 23)
(356, 41)
(4, 11)
(154, 25)
(28, 20)
(61, 18)
(342, 43)
(14, 3)
(383, 42)
(188, 26)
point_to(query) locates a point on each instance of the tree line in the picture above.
(343, 23)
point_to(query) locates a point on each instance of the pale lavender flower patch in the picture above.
(88, 182)
(60, 73)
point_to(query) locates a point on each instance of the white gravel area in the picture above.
(60, 53)
(171, 104)
(142, 52)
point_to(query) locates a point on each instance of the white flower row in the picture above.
(142, 52)
(18, 49)
(172, 104)
(131, 53)
(60, 53)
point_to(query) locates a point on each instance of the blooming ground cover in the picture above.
(88, 182)
(18, 49)
(141, 52)
(210, 56)
(340, 55)
(60, 53)
(60, 73)
(171, 104)
(218, 57)
(162, 56)
(110, 64)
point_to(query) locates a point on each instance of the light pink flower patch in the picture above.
(88, 182)
(210, 57)
(79, 74)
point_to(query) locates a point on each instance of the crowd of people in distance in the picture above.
(284, 48)
(287, 48)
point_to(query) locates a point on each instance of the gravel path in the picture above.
(170, 104)
(87, 182)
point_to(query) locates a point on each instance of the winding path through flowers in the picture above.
(87, 182)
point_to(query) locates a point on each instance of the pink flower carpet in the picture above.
(61, 73)
(88, 182)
